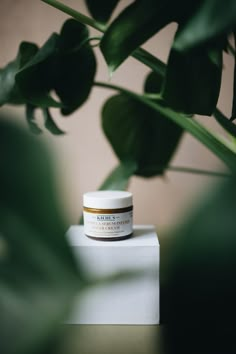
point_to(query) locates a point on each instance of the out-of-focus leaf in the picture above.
(9, 92)
(233, 115)
(31, 119)
(229, 126)
(101, 10)
(75, 66)
(119, 178)
(35, 79)
(139, 134)
(192, 82)
(211, 19)
(50, 124)
(38, 274)
(153, 82)
(201, 284)
(136, 23)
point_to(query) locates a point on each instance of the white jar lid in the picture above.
(107, 199)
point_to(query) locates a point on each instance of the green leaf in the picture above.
(75, 66)
(192, 82)
(139, 134)
(101, 10)
(233, 115)
(202, 257)
(119, 178)
(50, 124)
(229, 126)
(137, 23)
(35, 79)
(38, 274)
(31, 119)
(9, 92)
(153, 82)
(210, 20)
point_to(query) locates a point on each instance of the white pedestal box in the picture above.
(130, 300)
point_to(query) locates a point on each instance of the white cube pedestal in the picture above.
(132, 300)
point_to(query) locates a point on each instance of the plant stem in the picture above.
(197, 171)
(206, 137)
(139, 54)
(76, 15)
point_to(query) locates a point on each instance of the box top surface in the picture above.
(144, 235)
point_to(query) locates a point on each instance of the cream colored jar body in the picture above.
(108, 215)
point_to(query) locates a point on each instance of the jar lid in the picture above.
(107, 199)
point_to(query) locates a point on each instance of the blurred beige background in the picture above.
(83, 155)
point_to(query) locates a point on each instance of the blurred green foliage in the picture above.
(38, 276)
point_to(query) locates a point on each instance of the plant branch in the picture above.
(139, 54)
(76, 15)
(207, 138)
(197, 171)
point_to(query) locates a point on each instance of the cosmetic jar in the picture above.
(108, 215)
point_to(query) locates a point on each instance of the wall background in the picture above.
(83, 155)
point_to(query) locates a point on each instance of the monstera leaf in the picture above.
(139, 134)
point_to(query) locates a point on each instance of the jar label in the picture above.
(108, 225)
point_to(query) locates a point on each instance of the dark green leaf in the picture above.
(31, 119)
(9, 92)
(35, 79)
(233, 116)
(139, 134)
(50, 124)
(119, 178)
(229, 126)
(192, 82)
(211, 19)
(153, 83)
(101, 10)
(75, 67)
(38, 275)
(200, 277)
(137, 23)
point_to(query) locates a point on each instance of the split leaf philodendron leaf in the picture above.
(101, 10)
(75, 66)
(35, 79)
(50, 124)
(136, 23)
(211, 19)
(31, 119)
(38, 274)
(192, 82)
(65, 65)
(139, 134)
(119, 178)
(9, 92)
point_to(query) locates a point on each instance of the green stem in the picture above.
(207, 138)
(197, 171)
(76, 15)
(140, 54)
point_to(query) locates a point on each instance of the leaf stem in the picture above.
(76, 15)
(139, 54)
(197, 171)
(207, 138)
